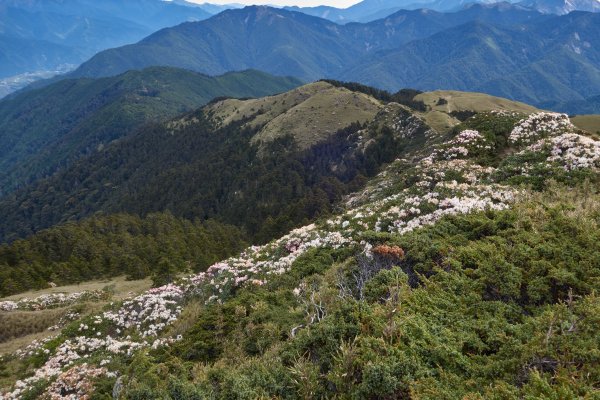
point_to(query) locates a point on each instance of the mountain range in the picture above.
(43, 38)
(274, 40)
(532, 63)
(371, 10)
(38, 36)
(56, 35)
(562, 7)
(501, 49)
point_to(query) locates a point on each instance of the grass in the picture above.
(309, 113)
(17, 324)
(18, 343)
(120, 287)
(590, 123)
(439, 117)
(22, 327)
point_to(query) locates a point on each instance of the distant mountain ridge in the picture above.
(501, 49)
(50, 35)
(534, 65)
(371, 10)
(273, 40)
(562, 7)
(39, 36)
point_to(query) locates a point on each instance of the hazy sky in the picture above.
(301, 3)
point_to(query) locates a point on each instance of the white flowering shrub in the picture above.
(567, 158)
(75, 383)
(572, 151)
(53, 300)
(468, 143)
(540, 125)
(149, 313)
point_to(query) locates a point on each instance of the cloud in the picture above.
(300, 3)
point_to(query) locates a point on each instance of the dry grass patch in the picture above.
(16, 324)
(444, 102)
(589, 123)
(119, 286)
(19, 328)
(309, 113)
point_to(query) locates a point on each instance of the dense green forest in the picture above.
(158, 245)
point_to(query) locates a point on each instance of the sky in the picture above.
(301, 3)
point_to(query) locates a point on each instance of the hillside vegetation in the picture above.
(158, 246)
(197, 166)
(467, 267)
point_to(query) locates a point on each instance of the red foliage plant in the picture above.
(393, 253)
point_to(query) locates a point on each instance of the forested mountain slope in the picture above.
(44, 130)
(532, 64)
(231, 160)
(158, 246)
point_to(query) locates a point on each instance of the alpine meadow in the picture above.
(394, 200)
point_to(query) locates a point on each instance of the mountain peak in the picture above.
(562, 7)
